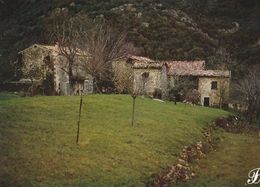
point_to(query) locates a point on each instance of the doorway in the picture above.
(206, 101)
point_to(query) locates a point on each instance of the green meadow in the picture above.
(38, 139)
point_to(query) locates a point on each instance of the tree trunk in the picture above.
(95, 85)
(133, 110)
(32, 87)
(71, 81)
(80, 106)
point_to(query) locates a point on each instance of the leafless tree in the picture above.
(183, 88)
(222, 92)
(248, 91)
(34, 72)
(123, 77)
(222, 60)
(66, 31)
(104, 46)
(192, 96)
(88, 44)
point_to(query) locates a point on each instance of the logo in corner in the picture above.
(254, 176)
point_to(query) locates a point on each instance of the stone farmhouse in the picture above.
(149, 75)
(40, 63)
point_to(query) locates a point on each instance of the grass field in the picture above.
(230, 164)
(37, 139)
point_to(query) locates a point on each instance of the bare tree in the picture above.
(222, 92)
(123, 77)
(222, 60)
(192, 96)
(248, 91)
(34, 72)
(183, 87)
(67, 33)
(87, 44)
(104, 46)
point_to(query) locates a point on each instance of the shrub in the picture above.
(157, 93)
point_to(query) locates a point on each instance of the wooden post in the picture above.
(80, 106)
(133, 109)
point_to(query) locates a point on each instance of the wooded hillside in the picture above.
(223, 32)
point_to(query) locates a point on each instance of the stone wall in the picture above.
(33, 61)
(216, 96)
(164, 83)
(34, 64)
(147, 85)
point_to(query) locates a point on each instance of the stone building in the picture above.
(43, 66)
(150, 75)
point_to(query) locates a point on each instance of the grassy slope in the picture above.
(37, 139)
(230, 165)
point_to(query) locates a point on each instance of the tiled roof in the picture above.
(176, 66)
(201, 73)
(140, 59)
(45, 47)
(143, 62)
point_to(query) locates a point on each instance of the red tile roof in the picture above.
(193, 68)
(185, 65)
(143, 62)
(178, 68)
(201, 73)
(140, 59)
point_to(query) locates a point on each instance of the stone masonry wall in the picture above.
(148, 85)
(222, 91)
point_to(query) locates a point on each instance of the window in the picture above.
(145, 75)
(214, 85)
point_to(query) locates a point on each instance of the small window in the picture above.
(145, 75)
(214, 85)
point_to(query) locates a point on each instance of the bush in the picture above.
(157, 93)
(192, 96)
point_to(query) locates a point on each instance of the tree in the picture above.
(123, 77)
(104, 46)
(90, 45)
(183, 87)
(222, 92)
(32, 71)
(192, 96)
(67, 32)
(222, 60)
(248, 91)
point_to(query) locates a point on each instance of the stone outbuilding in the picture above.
(43, 66)
(150, 75)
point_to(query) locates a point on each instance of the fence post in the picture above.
(80, 106)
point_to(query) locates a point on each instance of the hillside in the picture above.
(220, 31)
(229, 166)
(38, 134)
